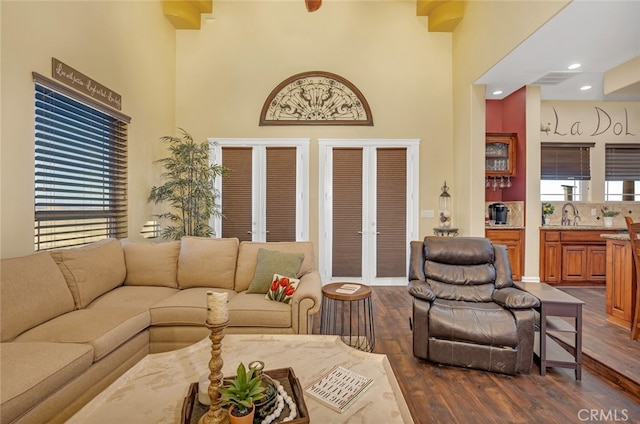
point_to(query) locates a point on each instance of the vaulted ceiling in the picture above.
(604, 36)
(443, 15)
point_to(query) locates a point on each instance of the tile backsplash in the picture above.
(515, 217)
(590, 213)
(585, 210)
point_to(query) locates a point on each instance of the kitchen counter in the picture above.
(621, 236)
(504, 227)
(581, 228)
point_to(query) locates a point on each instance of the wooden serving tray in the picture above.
(192, 410)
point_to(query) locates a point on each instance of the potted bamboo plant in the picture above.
(188, 188)
(240, 394)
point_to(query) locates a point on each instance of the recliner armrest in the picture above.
(421, 289)
(513, 298)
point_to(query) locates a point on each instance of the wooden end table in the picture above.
(554, 304)
(348, 315)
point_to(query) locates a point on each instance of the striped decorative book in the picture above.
(338, 388)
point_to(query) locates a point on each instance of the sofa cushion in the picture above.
(207, 262)
(92, 270)
(186, 307)
(271, 262)
(33, 371)
(105, 329)
(248, 258)
(151, 264)
(139, 297)
(253, 310)
(33, 291)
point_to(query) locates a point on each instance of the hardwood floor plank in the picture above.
(443, 394)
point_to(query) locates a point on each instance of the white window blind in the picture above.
(80, 169)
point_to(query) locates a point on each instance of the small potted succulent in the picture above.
(240, 394)
(607, 215)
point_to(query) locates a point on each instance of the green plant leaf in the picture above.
(188, 187)
(243, 390)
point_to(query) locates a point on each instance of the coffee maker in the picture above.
(498, 213)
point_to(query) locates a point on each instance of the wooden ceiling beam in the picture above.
(444, 15)
(186, 14)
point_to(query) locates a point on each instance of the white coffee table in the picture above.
(153, 390)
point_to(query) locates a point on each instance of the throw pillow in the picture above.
(282, 288)
(272, 262)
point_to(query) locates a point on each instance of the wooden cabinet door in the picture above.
(552, 258)
(597, 263)
(500, 157)
(620, 287)
(574, 263)
(514, 249)
(513, 240)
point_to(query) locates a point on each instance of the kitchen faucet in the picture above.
(565, 220)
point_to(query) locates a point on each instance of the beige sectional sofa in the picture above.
(74, 320)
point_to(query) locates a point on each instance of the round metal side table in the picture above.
(348, 315)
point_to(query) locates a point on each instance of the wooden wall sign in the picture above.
(316, 98)
(69, 76)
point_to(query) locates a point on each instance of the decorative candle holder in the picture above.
(216, 414)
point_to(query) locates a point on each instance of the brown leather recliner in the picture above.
(466, 310)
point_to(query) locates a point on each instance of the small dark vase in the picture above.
(267, 404)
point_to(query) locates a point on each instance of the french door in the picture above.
(264, 195)
(368, 209)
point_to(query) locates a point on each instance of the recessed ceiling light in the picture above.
(497, 92)
(585, 87)
(574, 66)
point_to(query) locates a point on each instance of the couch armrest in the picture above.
(306, 302)
(421, 290)
(513, 298)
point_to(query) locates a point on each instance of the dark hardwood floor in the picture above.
(443, 394)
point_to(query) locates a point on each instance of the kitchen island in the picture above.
(620, 280)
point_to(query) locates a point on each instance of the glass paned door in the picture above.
(263, 197)
(347, 212)
(367, 220)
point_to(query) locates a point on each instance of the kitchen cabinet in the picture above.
(573, 257)
(621, 283)
(500, 154)
(513, 238)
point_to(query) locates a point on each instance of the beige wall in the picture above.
(126, 46)
(226, 70)
(213, 82)
(488, 32)
(591, 122)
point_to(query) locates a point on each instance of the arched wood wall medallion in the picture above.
(316, 98)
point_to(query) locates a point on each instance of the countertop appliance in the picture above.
(498, 213)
